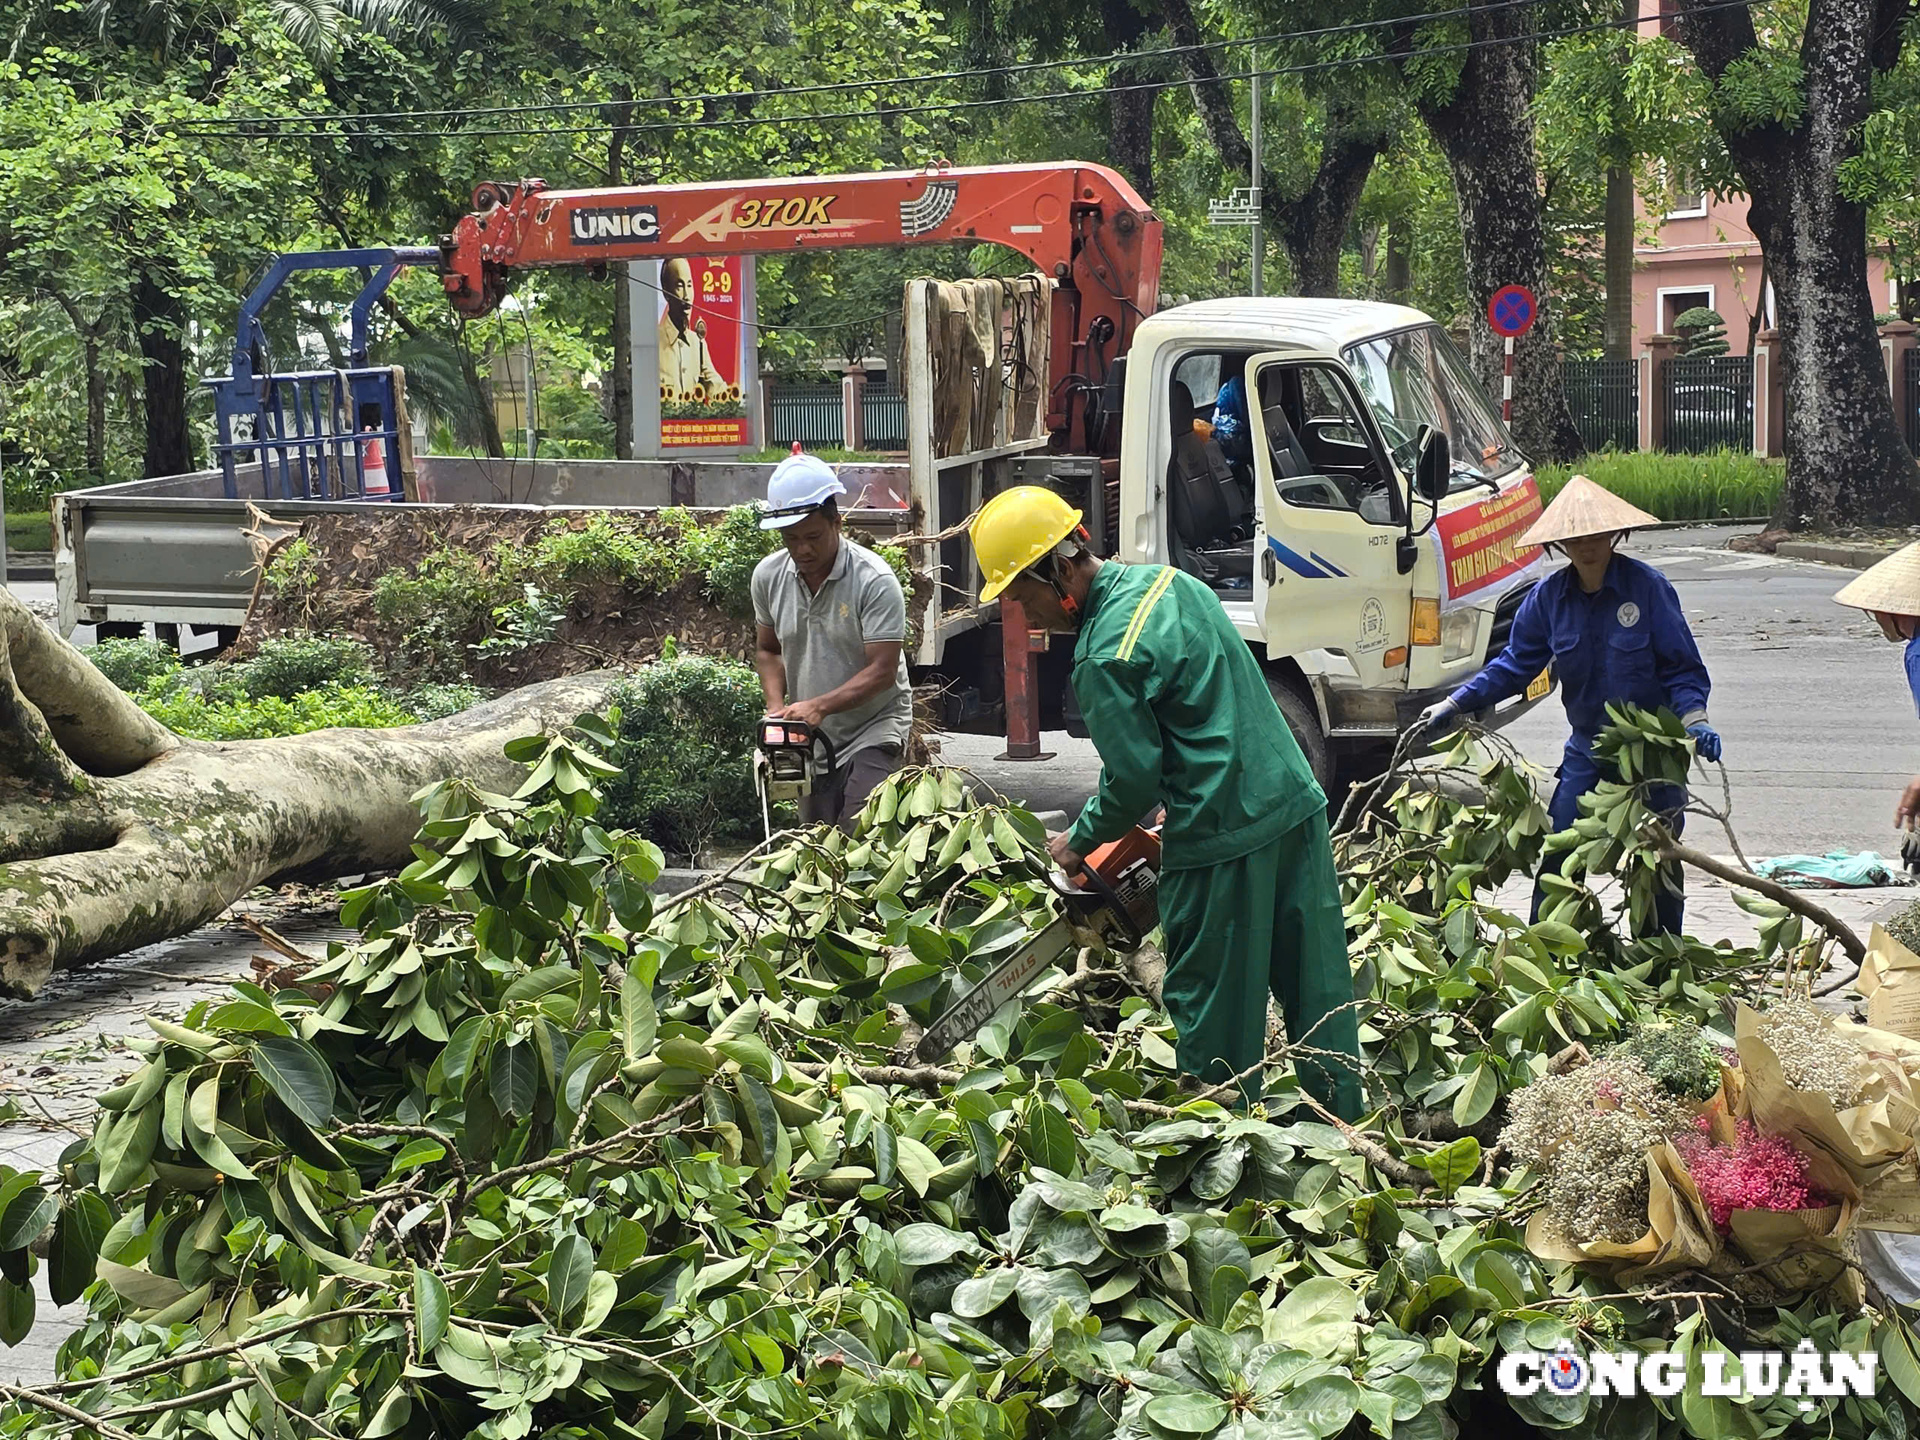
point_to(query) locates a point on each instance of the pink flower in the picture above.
(1759, 1172)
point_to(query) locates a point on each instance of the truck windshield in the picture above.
(1416, 377)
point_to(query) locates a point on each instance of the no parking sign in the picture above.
(1511, 311)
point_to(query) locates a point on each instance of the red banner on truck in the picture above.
(1480, 546)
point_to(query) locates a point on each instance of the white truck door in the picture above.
(1332, 512)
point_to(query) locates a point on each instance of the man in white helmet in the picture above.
(831, 627)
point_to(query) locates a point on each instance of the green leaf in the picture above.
(16, 1311)
(568, 1276)
(1452, 1165)
(127, 1148)
(300, 1077)
(536, 983)
(1895, 1342)
(637, 1014)
(514, 1078)
(459, 1051)
(1187, 1412)
(203, 1116)
(1476, 1097)
(1318, 1316)
(926, 1244)
(1324, 1403)
(248, 1015)
(77, 1237)
(141, 1289)
(25, 1216)
(431, 1308)
(1047, 1139)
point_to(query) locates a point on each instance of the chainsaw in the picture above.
(785, 766)
(1111, 905)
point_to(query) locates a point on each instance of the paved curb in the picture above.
(1848, 557)
(1703, 524)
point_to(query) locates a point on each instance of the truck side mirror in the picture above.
(1433, 471)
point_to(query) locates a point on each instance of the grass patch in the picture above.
(32, 530)
(1723, 485)
(190, 712)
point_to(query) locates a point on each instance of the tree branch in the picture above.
(1670, 849)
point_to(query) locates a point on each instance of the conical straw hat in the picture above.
(1584, 508)
(1891, 587)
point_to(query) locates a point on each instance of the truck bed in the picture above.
(175, 549)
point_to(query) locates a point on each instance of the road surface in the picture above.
(1821, 733)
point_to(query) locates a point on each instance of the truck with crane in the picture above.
(1355, 505)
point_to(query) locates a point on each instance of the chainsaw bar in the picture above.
(973, 1009)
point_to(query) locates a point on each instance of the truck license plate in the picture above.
(1542, 683)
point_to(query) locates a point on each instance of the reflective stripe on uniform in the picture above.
(1140, 613)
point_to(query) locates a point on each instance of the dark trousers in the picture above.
(1265, 923)
(839, 798)
(1579, 773)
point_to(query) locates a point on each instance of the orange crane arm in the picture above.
(1082, 224)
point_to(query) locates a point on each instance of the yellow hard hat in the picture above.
(1016, 529)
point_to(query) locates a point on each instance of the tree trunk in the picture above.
(1399, 278)
(1486, 132)
(1311, 226)
(115, 833)
(1846, 461)
(160, 321)
(1617, 320)
(1130, 112)
(96, 409)
(1618, 324)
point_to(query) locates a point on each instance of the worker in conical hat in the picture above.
(1612, 629)
(1890, 593)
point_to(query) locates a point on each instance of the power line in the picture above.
(842, 86)
(947, 106)
(951, 106)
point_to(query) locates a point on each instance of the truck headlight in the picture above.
(1459, 630)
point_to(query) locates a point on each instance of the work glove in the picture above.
(1437, 718)
(1706, 740)
(1910, 851)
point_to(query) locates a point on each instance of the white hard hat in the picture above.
(799, 484)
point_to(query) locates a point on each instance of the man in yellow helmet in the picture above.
(1181, 714)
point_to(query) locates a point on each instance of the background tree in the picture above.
(1792, 98)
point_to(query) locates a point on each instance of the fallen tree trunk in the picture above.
(115, 833)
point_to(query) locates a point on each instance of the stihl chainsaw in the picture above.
(785, 766)
(1114, 909)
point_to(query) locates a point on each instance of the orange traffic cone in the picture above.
(373, 469)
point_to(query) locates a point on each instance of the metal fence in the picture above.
(1604, 396)
(1910, 408)
(1708, 400)
(884, 418)
(809, 414)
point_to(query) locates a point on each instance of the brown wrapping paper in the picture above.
(1679, 1235)
(1846, 1150)
(1890, 979)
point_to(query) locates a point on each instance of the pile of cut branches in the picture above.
(539, 1154)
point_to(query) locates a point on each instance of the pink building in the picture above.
(1702, 253)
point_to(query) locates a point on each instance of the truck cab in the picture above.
(1274, 448)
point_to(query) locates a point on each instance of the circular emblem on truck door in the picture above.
(1373, 626)
(1629, 615)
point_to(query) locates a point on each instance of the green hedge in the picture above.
(1722, 485)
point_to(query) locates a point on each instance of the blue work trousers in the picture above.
(1579, 773)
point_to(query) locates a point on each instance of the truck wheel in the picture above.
(1304, 721)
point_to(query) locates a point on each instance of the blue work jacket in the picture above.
(1627, 641)
(1913, 669)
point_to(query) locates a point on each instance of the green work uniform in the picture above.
(1249, 902)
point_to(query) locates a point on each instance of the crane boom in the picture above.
(1081, 224)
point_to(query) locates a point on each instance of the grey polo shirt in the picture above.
(824, 638)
